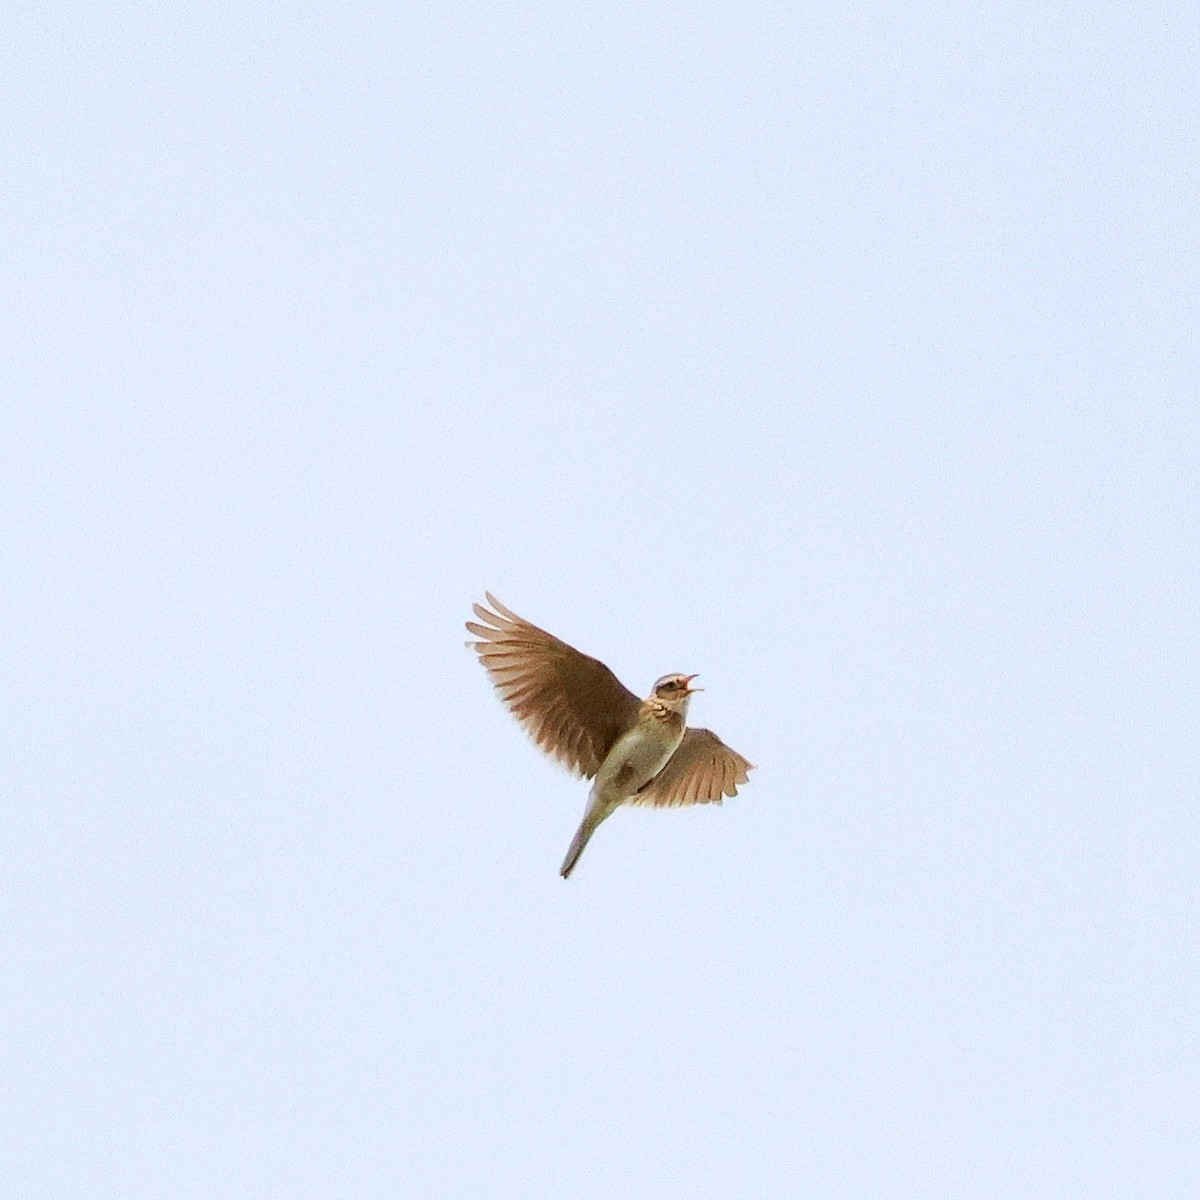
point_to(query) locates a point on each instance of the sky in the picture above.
(847, 357)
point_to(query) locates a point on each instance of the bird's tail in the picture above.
(585, 831)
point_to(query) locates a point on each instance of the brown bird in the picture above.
(579, 712)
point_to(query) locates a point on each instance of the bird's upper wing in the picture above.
(701, 771)
(573, 706)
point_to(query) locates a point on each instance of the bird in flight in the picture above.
(582, 715)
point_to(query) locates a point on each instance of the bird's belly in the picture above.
(635, 759)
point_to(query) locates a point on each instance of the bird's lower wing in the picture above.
(702, 771)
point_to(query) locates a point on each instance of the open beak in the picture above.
(688, 680)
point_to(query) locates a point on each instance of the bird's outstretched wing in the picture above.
(572, 706)
(701, 771)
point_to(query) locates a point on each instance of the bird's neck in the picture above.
(672, 714)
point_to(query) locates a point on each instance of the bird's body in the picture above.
(578, 711)
(637, 756)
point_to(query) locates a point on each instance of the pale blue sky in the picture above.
(848, 357)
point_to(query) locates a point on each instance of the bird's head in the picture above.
(674, 691)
